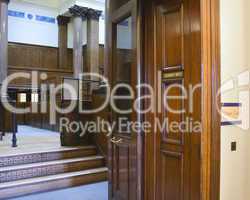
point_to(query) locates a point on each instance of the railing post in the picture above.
(14, 128)
(2, 121)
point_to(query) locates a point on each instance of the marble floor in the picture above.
(98, 191)
(30, 140)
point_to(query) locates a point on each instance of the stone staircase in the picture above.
(44, 171)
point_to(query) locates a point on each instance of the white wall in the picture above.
(28, 31)
(248, 45)
(235, 52)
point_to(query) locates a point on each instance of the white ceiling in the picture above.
(48, 3)
(53, 3)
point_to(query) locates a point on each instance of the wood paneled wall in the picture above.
(101, 138)
(24, 55)
(28, 58)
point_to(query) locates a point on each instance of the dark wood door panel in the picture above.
(172, 155)
(123, 68)
(169, 36)
(171, 142)
(173, 111)
(124, 171)
(121, 172)
(171, 180)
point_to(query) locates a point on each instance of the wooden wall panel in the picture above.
(24, 55)
(27, 58)
(100, 138)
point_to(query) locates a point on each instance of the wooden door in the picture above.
(173, 62)
(124, 173)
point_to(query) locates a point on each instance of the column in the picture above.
(3, 39)
(63, 41)
(3, 56)
(79, 14)
(93, 40)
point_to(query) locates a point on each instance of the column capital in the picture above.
(94, 14)
(78, 11)
(4, 1)
(63, 20)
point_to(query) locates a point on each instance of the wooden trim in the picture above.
(216, 122)
(123, 12)
(210, 149)
(44, 46)
(39, 69)
(31, 45)
(140, 80)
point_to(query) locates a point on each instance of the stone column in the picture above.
(3, 39)
(63, 41)
(93, 40)
(79, 14)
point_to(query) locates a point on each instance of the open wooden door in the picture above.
(122, 63)
(179, 40)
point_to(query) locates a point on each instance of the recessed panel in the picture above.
(171, 176)
(173, 114)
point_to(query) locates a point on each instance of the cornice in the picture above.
(94, 14)
(78, 11)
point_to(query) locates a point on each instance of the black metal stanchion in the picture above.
(2, 122)
(14, 128)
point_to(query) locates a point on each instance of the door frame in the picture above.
(133, 8)
(211, 119)
(211, 61)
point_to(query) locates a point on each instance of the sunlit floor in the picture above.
(30, 140)
(98, 191)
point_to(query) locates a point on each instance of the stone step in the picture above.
(53, 182)
(48, 155)
(25, 171)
